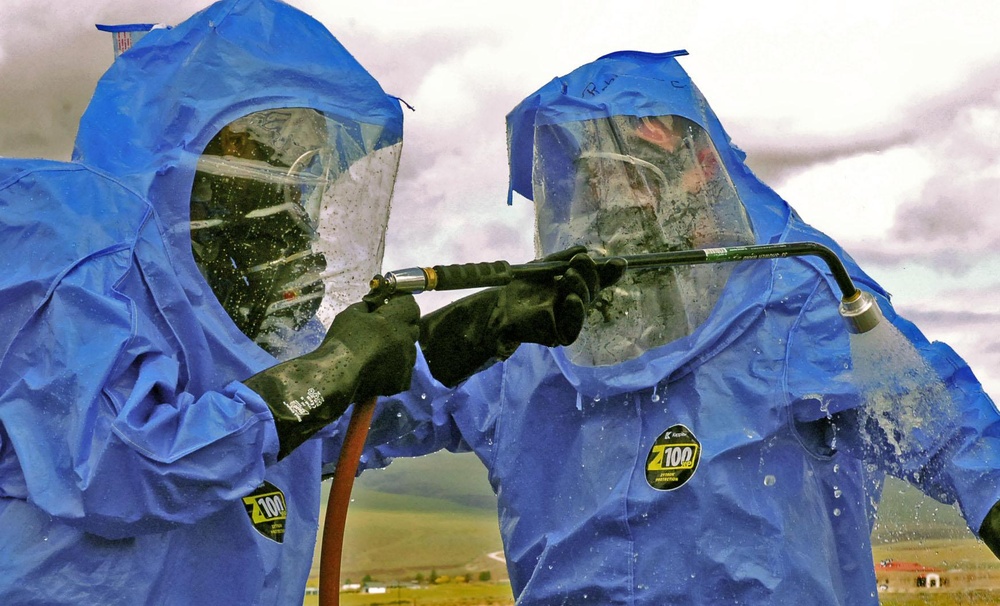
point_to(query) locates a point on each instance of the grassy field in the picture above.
(913, 528)
(471, 594)
(452, 541)
(955, 598)
(905, 514)
(394, 537)
(967, 554)
(436, 515)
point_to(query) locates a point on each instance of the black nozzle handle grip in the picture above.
(472, 275)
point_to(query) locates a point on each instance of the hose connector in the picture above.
(861, 312)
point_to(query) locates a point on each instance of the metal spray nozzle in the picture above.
(861, 312)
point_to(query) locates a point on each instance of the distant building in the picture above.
(894, 575)
(374, 588)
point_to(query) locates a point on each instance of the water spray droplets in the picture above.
(904, 397)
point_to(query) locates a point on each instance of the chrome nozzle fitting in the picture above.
(411, 280)
(861, 312)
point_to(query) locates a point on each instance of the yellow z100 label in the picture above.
(267, 510)
(672, 459)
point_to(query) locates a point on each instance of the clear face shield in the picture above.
(626, 185)
(288, 216)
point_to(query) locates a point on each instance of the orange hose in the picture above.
(339, 500)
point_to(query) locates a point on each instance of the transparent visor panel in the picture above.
(627, 185)
(288, 216)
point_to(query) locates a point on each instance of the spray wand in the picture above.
(859, 310)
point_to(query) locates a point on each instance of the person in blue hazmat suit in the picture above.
(715, 435)
(182, 316)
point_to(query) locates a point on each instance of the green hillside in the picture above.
(905, 514)
(438, 513)
(422, 515)
(456, 478)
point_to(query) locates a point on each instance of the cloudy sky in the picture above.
(878, 121)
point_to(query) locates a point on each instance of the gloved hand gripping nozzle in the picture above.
(546, 306)
(367, 351)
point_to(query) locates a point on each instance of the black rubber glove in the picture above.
(365, 353)
(989, 530)
(460, 339)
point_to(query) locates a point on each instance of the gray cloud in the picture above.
(44, 91)
(953, 220)
(954, 319)
(773, 160)
(463, 80)
(959, 207)
(51, 57)
(777, 153)
(401, 62)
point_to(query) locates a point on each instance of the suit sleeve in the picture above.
(101, 427)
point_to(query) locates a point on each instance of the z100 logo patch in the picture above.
(673, 458)
(266, 508)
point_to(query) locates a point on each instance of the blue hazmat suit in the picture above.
(136, 467)
(732, 454)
